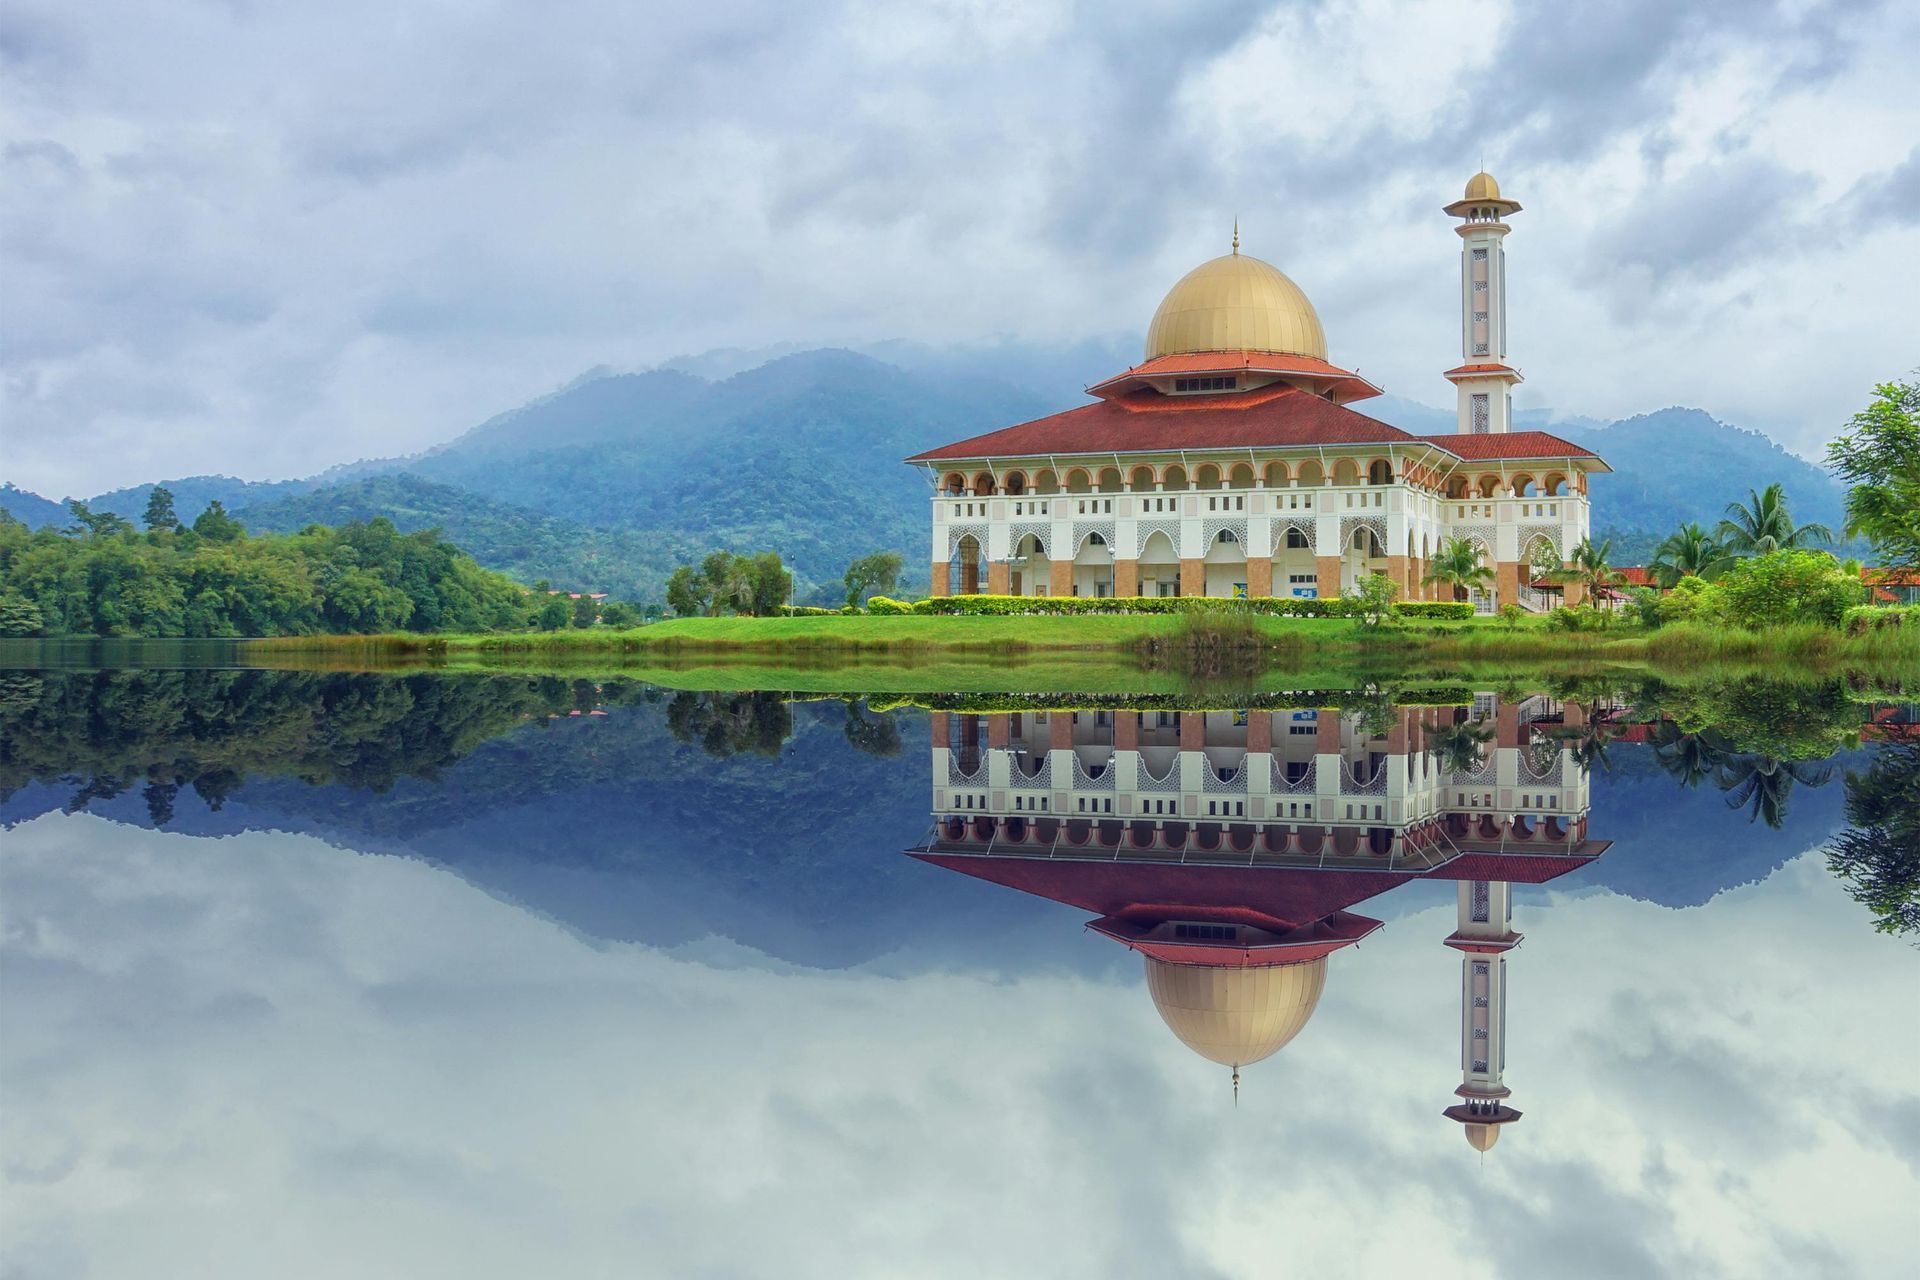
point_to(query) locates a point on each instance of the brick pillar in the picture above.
(1260, 731)
(1193, 577)
(1397, 570)
(1060, 579)
(1326, 733)
(1126, 731)
(1507, 582)
(942, 582)
(1060, 730)
(999, 730)
(1506, 725)
(1126, 577)
(1327, 569)
(1573, 715)
(1260, 577)
(1576, 592)
(1193, 730)
(999, 578)
(937, 725)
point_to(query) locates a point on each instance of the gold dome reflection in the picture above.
(1235, 1016)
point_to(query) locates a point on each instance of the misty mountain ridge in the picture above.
(611, 480)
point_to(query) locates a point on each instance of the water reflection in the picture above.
(1225, 847)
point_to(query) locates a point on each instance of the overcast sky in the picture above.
(264, 238)
(264, 1055)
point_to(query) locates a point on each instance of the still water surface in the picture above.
(322, 975)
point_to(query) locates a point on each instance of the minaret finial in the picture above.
(1236, 250)
(1236, 1082)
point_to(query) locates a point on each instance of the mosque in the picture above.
(1229, 463)
(1226, 848)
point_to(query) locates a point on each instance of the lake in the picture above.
(335, 974)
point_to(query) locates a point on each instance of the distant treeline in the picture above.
(103, 577)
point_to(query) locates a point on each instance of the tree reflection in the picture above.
(1762, 785)
(1878, 857)
(726, 724)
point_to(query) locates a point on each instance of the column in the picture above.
(1259, 576)
(1193, 577)
(1327, 570)
(1507, 582)
(942, 582)
(1126, 577)
(1060, 579)
(999, 578)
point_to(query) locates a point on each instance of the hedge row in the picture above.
(1275, 606)
(1876, 617)
(1270, 606)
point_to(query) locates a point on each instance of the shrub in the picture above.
(1784, 587)
(1877, 617)
(1510, 616)
(1646, 606)
(1276, 606)
(802, 611)
(886, 607)
(1569, 619)
(1690, 596)
(1451, 610)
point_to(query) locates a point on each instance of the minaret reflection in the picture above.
(1227, 848)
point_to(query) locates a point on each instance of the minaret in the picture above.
(1484, 936)
(1484, 380)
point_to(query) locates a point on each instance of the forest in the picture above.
(100, 576)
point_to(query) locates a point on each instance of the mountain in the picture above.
(615, 478)
(629, 563)
(31, 509)
(1682, 464)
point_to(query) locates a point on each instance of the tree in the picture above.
(20, 616)
(553, 615)
(1458, 565)
(1375, 594)
(1459, 748)
(877, 574)
(1782, 587)
(1766, 524)
(618, 613)
(769, 585)
(728, 587)
(96, 524)
(215, 525)
(585, 614)
(1588, 565)
(160, 509)
(688, 592)
(1689, 552)
(1878, 857)
(1879, 458)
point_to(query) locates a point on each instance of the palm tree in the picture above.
(1689, 552)
(1766, 525)
(1459, 748)
(1588, 565)
(1458, 565)
(1690, 758)
(1761, 784)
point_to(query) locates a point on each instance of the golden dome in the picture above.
(1481, 186)
(1235, 303)
(1481, 1137)
(1235, 1016)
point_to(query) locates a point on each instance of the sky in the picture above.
(261, 239)
(267, 1055)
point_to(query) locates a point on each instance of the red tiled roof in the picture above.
(1145, 421)
(1636, 575)
(1509, 444)
(1891, 577)
(1469, 369)
(1238, 362)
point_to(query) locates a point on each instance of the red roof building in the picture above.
(1230, 461)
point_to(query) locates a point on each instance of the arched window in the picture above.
(1096, 540)
(1226, 535)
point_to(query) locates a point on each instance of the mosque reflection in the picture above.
(1227, 848)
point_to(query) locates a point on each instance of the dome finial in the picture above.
(1236, 234)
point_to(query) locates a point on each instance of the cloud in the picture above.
(322, 233)
(328, 1061)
